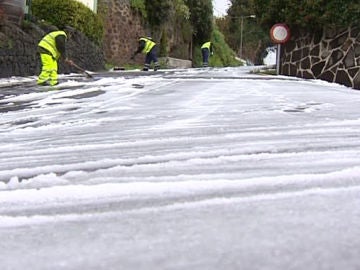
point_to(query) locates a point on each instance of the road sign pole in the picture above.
(278, 52)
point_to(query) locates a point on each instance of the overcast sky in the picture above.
(220, 7)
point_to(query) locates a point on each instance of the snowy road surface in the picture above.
(199, 169)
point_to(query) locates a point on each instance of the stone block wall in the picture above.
(123, 27)
(18, 51)
(332, 55)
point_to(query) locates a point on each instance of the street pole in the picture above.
(278, 52)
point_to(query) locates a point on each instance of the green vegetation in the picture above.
(252, 36)
(223, 55)
(201, 17)
(69, 12)
(158, 11)
(139, 5)
(308, 14)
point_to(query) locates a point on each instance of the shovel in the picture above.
(80, 69)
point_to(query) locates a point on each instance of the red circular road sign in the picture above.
(279, 33)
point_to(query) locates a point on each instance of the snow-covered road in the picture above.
(199, 169)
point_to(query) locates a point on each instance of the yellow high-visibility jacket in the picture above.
(49, 43)
(149, 44)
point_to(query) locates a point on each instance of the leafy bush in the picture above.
(201, 17)
(72, 13)
(139, 5)
(158, 11)
(308, 14)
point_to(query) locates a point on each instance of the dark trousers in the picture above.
(151, 57)
(205, 56)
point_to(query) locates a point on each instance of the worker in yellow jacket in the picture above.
(206, 51)
(51, 47)
(148, 47)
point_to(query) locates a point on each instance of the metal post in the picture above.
(278, 59)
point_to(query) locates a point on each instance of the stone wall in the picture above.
(18, 50)
(19, 57)
(123, 26)
(332, 55)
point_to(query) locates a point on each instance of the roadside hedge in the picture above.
(308, 14)
(72, 13)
